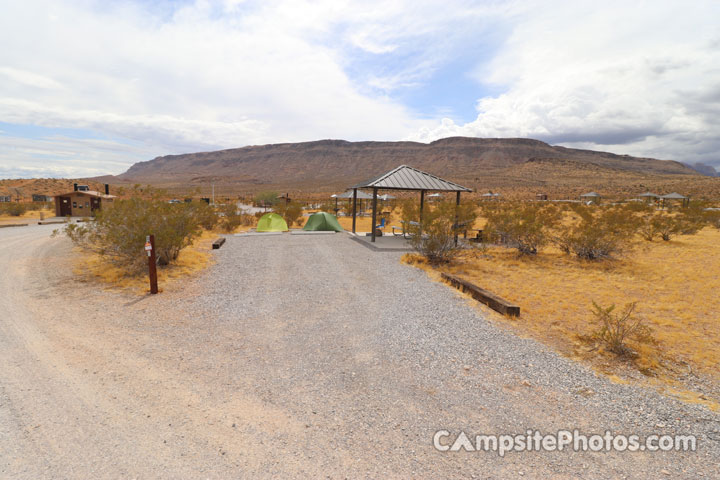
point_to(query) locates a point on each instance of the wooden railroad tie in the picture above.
(491, 300)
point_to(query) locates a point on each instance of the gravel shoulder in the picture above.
(294, 357)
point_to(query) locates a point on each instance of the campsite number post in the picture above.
(152, 267)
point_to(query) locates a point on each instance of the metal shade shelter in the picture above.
(405, 178)
(676, 196)
(349, 195)
(648, 196)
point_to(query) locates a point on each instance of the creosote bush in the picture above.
(434, 237)
(118, 233)
(600, 233)
(230, 218)
(290, 211)
(525, 226)
(14, 209)
(615, 328)
(265, 199)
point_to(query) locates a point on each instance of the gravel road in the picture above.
(295, 357)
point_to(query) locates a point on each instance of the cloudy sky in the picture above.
(89, 87)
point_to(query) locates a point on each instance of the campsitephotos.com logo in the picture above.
(534, 440)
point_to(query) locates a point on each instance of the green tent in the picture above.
(271, 222)
(322, 221)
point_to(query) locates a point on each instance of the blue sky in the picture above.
(90, 87)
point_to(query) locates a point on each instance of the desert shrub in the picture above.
(525, 226)
(434, 237)
(615, 328)
(329, 207)
(230, 217)
(290, 211)
(410, 210)
(205, 215)
(15, 209)
(248, 220)
(667, 226)
(647, 227)
(118, 233)
(712, 217)
(265, 199)
(599, 234)
(346, 207)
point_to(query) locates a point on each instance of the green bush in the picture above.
(599, 234)
(525, 226)
(290, 211)
(616, 328)
(206, 215)
(119, 232)
(265, 199)
(231, 218)
(434, 237)
(15, 209)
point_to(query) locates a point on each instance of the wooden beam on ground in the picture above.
(218, 243)
(8, 225)
(493, 301)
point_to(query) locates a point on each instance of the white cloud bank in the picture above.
(630, 77)
(641, 78)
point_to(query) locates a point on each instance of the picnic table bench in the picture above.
(404, 230)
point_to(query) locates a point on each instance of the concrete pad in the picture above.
(257, 234)
(305, 232)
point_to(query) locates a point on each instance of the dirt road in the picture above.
(296, 357)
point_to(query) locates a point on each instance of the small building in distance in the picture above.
(5, 199)
(541, 196)
(41, 198)
(81, 202)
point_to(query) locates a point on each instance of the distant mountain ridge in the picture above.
(332, 162)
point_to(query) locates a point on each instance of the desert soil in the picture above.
(294, 357)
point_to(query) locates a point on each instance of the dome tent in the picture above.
(271, 222)
(322, 222)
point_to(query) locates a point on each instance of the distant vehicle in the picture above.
(175, 200)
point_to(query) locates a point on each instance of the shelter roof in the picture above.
(410, 178)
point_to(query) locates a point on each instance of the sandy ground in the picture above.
(292, 357)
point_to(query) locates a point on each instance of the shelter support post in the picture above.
(374, 214)
(354, 209)
(457, 218)
(422, 206)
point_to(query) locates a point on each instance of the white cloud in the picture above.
(630, 77)
(206, 75)
(626, 77)
(60, 156)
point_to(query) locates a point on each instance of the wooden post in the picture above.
(374, 214)
(457, 218)
(354, 200)
(152, 266)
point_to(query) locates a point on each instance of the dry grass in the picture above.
(192, 260)
(675, 283)
(29, 215)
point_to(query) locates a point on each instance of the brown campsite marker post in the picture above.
(152, 267)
